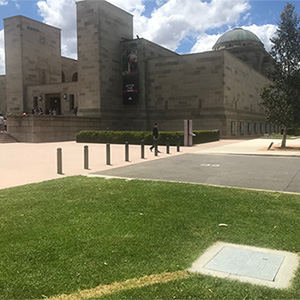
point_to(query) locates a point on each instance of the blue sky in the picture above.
(184, 26)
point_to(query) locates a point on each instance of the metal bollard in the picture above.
(142, 149)
(270, 146)
(59, 161)
(178, 144)
(108, 154)
(168, 146)
(155, 148)
(126, 151)
(86, 157)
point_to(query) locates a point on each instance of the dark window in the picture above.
(43, 77)
(261, 128)
(255, 128)
(35, 102)
(242, 128)
(71, 102)
(63, 78)
(75, 77)
(233, 128)
(249, 128)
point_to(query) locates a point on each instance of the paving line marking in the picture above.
(102, 290)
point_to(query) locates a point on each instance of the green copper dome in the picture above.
(236, 35)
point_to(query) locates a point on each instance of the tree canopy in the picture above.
(281, 98)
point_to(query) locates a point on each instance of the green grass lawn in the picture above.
(279, 136)
(76, 233)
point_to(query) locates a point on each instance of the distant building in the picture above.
(123, 83)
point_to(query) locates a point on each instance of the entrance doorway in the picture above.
(52, 104)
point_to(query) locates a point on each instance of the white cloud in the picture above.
(2, 57)
(168, 25)
(135, 7)
(176, 19)
(205, 42)
(61, 14)
(264, 32)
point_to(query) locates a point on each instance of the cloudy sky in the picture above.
(185, 26)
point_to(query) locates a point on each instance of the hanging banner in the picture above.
(130, 73)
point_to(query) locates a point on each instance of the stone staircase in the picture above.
(6, 138)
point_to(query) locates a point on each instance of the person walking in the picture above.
(1, 123)
(5, 125)
(155, 136)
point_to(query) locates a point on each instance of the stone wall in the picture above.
(135, 117)
(39, 129)
(69, 67)
(100, 30)
(2, 95)
(32, 55)
(186, 87)
(65, 90)
(242, 102)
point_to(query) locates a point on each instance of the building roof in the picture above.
(237, 35)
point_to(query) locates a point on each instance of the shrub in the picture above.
(293, 131)
(135, 137)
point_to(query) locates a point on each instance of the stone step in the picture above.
(6, 138)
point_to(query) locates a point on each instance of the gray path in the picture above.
(258, 172)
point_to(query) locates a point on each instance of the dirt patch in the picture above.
(278, 148)
(125, 285)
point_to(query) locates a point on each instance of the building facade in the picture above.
(121, 83)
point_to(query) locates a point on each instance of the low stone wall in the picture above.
(39, 129)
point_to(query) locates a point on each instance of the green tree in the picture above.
(281, 98)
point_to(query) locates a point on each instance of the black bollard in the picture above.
(270, 146)
(126, 151)
(108, 154)
(178, 144)
(155, 148)
(142, 149)
(59, 161)
(168, 146)
(86, 157)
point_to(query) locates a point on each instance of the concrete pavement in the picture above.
(272, 173)
(24, 163)
(254, 147)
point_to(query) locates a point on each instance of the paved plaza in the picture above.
(24, 163)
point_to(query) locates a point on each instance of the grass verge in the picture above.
(72, 234)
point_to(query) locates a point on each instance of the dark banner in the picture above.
(130, 73)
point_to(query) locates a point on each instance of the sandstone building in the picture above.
(122, 83)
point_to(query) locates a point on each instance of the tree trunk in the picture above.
(283, 142)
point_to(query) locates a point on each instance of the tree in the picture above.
(281, 98)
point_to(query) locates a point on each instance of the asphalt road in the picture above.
(257, 172)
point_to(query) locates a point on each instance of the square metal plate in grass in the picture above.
(249, 264)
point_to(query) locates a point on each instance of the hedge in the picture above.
(293, 131)
(135, 137)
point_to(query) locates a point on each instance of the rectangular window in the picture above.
(35, 102)
(233, 128)
(242, 128)
(261, 128)
(43, 77)
(71, 102)
(249, 128)
(256, 128)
